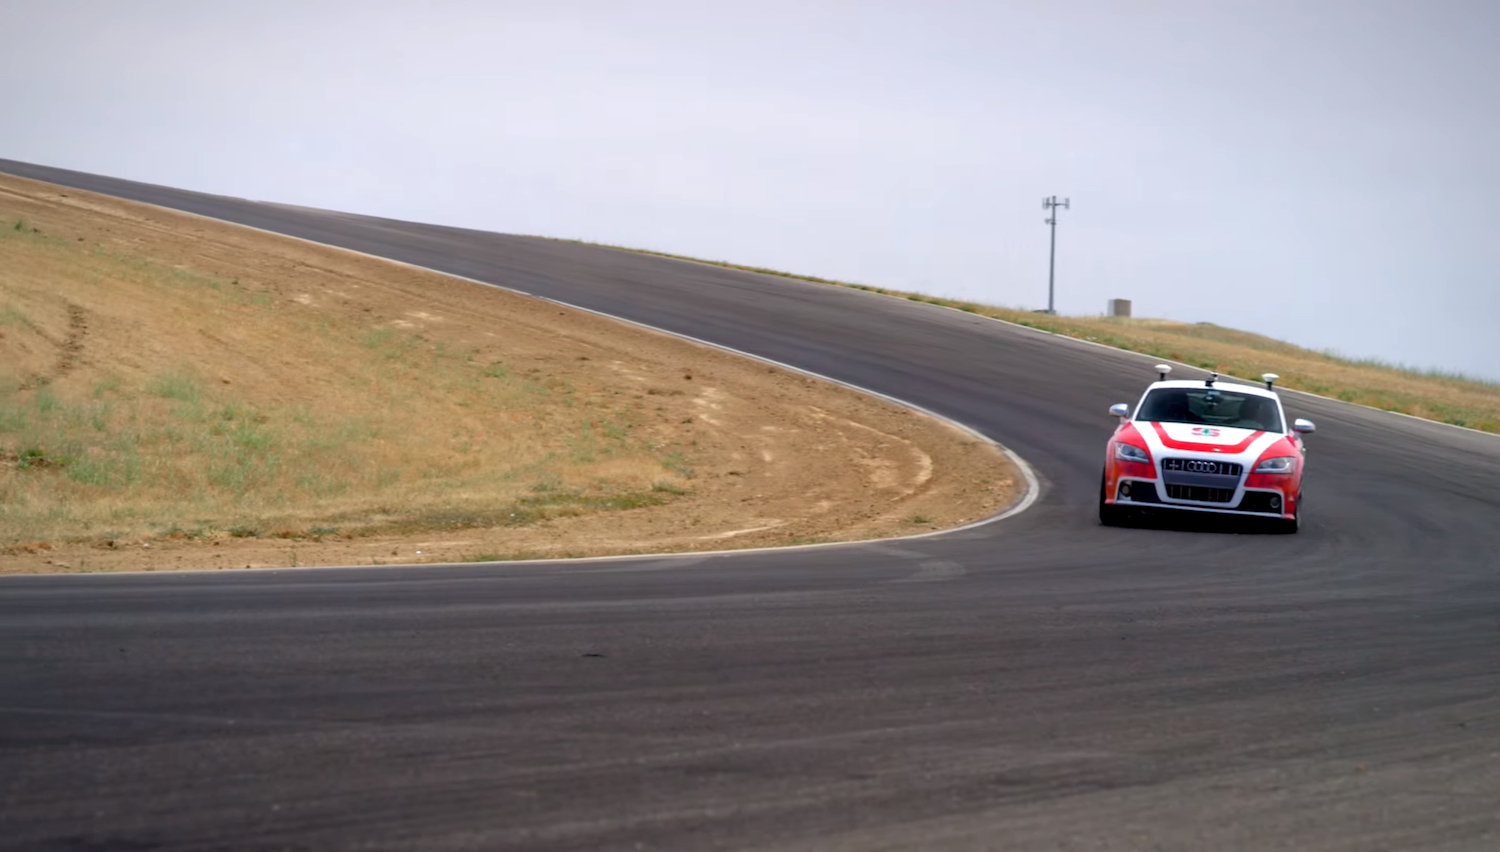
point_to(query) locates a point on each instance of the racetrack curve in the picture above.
(1041, 682)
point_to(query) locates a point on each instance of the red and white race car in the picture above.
(1203, 446)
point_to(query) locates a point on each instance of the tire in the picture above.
(1109, 515)
(1289, 526)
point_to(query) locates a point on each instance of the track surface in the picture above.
(1038, 683)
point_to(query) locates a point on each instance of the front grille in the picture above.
(1209, 466)
(1200, 493)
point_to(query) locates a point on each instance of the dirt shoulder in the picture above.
(186, 394)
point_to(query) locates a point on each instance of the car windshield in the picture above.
(1211, 406)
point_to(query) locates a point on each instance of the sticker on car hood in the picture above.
(1205, 434)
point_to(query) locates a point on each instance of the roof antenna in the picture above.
(1269, 379)
(1209, 382)
(1163, 369)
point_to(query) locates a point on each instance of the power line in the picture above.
(1050, 204)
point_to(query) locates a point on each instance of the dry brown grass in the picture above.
(215, 403)
(170, 383)
(1434, 395)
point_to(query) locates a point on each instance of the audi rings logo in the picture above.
(1219, 468)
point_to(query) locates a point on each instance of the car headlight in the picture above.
(1131, 453)
(1280, 464)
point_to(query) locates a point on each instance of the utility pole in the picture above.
(1050, 204)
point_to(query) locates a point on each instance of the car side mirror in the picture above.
(1306, 427)
(1121, 410)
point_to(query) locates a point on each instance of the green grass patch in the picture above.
(175, 385)
(678, 463)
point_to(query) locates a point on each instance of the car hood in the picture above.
(1195, 439)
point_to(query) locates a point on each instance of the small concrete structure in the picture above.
(1119, 308)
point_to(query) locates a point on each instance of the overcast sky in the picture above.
(1326, 172)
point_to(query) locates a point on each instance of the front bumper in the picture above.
(1144, 494)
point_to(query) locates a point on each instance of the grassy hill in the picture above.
(202, 395)
(152, 386)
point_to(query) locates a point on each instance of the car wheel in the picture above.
(1289, 526)
(1109, 515)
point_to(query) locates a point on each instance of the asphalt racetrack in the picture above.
(1037, 683)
